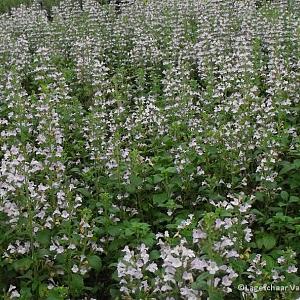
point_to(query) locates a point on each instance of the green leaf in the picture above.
(137, 181)
(269, 260)
(171, 170)
(259, 243)
(216, 295)
(43, 291)
(157, 179)
(149, 239)
(76, 171)
(160, 198)
(288, 167)
(269, 241)
(25, 293)
(259, 196)
(95, 262)
(131, 188)
(294, 199)
(201, 282)
(294, 181)
(114, 230)
(296, 163)
(155, 254)
(22, 264)
(284, 195)
(55, 294)
(55, 297)
(76, 283)
(84, 192)
(43, 237)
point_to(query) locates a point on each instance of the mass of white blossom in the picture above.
(134, 142)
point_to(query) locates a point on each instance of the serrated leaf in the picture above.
(95, 262)
(114, 230)
(76, 170)
(284, 195)
(269, 241)
(259, 196)
(171, 170)
(288, 167)
(137, 181)
(43, 237)
(159, 199)
(54, 294)
(155, 254)
(149, 239)
(84, 192)
(216, 295)
(269, 260)
(22, 264)
(296, 163)
(76, 283)
(294, 199)
(157, 179)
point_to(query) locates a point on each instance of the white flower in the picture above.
(152, 267)
(248, 234)
(65, 214)
(60, 249)
(83, 270)
(244, 208)
(173, 261)
(53, 247)
(218, 223)
(281, 260)
(292, 269)
(216, 281)
(198, 234)
(11, 288)
(198, 264)
(13, 292)
(226, 281)
(187, 276)
(232, 253)
(212, 267)
(275, 275)
(75, 268)
(72, 247)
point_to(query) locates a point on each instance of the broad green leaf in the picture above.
(216, 295)
(288, 167)
(155, 254)
(95, 262)
(284, 195)
(76, 283)
(269, 241)
(157, 179)
(160, 198)
(171, 170)
(22, 264)
(54, 294)
(84, 192)
(294, 199)
(114, 230)
(43, 237)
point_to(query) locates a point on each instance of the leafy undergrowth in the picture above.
(150, 151)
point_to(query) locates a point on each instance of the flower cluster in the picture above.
(125, 120)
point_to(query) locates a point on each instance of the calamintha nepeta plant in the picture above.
(150, 150)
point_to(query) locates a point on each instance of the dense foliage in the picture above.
(8, 5)
(150, 151)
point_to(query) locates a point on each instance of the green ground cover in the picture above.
(150, 151)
